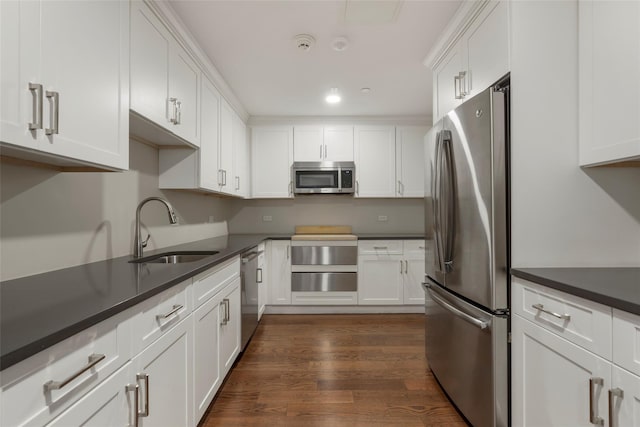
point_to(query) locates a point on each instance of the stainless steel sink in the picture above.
(175, 257)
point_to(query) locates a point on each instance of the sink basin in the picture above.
(175, 257)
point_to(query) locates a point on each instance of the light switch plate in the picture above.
(383, 218)
(267, 218)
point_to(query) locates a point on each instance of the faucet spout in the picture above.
(139, 245)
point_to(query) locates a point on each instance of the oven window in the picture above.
(317, 179)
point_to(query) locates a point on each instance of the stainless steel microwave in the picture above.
(323, 177)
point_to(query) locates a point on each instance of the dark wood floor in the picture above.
(334, 370)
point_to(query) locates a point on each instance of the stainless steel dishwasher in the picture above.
(250, 277)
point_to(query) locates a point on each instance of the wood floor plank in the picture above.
(334, 371)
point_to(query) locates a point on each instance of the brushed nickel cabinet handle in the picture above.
(94, 359)
(380, 247)
(401, 267)
(225, 318)
(613, 393)
(237, 183)
(259, 275)
(593, 406)
(136, 407)
(463, 83)
(54, 114)
(37, 106)
(541, 308)
(178, 112)
(456, 87)
(320, 151)
(144, 377)
(325, 151)
(174, 310)
(174, 111)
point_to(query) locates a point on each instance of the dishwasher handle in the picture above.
(482, 324)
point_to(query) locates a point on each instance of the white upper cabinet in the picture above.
(375, 151)
(609, 88)
(164, 82)
(271, 159)
(226, 147)
(240, 158)
(477, 56)
(55, 101)
(323, 143)
(410, 160)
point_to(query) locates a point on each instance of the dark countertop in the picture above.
(615, 287)
(39, 311)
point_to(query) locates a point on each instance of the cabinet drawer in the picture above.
(208, 283)
(160, 313)
(380, 247)
(414, 246)
(39, 388)
(583, 322)
(626, 340)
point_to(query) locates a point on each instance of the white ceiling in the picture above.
(251, 43)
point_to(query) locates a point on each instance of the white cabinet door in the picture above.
(375, 154)
(271, 159)
(487, 48)
(609, 90)
(551, 378)
(625, 407)
(210, 136)
(230, 326)
(280, 272)
(380, 279)
(150, 52)
(410, 160)
(445, 86)
(83, 99)
(240, 158)
(226, 147)
(109, 404)
(206, 356)
(167, 365)
(263, 279)
(338, 143)
(414, 254)
(308, 143)
(19, 66)
(184, 79)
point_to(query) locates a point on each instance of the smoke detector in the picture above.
(340, 43)
(304, 42)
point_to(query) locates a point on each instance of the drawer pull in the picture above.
(380, 247)
(94, 359)
(593, 406)
(540, 307)
(616, 392)
(176, 308)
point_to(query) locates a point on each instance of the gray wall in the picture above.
(51, 220)
(562, 215)
(404, 215)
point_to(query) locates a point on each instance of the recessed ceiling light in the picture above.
(333, 97)
(340, 44)
(365, 90)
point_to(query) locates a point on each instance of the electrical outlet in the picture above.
(267, 218)
(383, 218)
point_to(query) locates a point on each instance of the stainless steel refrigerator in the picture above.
(467, 273)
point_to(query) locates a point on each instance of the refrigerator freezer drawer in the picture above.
(467, 351)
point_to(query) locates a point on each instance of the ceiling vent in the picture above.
(304, 42)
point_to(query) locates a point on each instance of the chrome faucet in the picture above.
(139, 244)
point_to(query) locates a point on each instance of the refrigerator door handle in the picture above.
(437, 202)
(482, 324)
(450, 201)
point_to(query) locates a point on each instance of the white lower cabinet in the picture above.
(557, 377)
(390, 272)
(551, 379)
(112, 403)
(279, 252)
(230, 327)
(163, 372)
